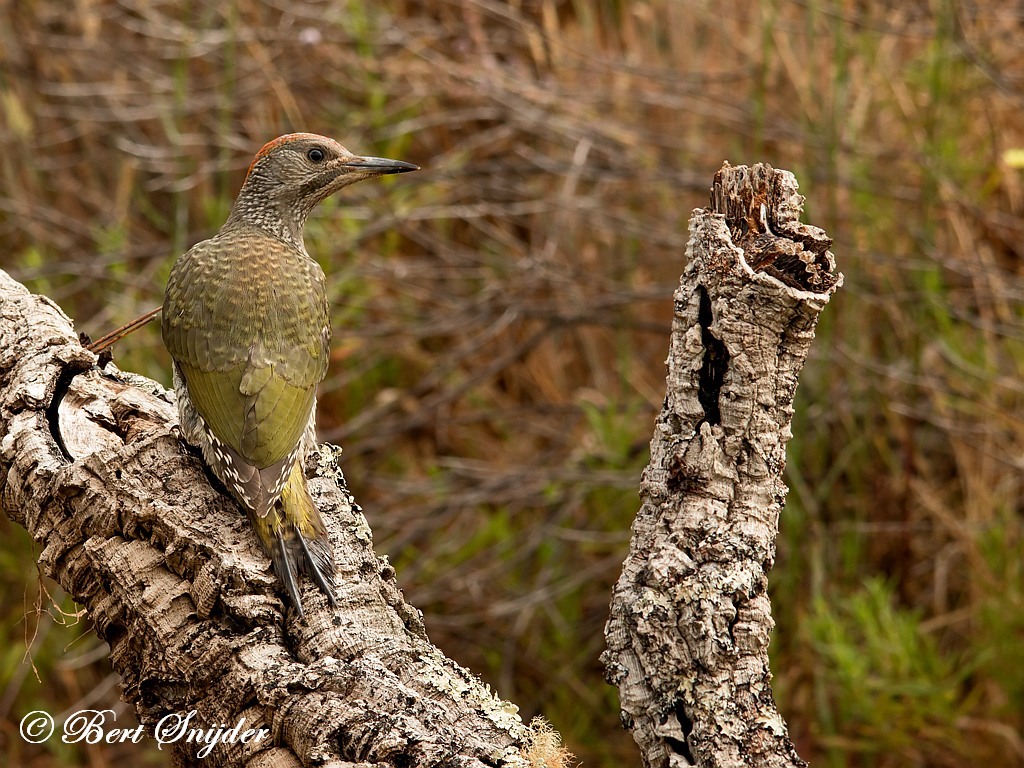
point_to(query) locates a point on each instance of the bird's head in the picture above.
(293, 173)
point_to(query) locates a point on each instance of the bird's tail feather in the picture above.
(294, 536)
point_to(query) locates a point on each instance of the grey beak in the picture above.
(380, 165)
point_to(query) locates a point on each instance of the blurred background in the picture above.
(501, 318)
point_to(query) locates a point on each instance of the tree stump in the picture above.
(690, 617)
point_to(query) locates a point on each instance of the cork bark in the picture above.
(168, 571)
(690, 618)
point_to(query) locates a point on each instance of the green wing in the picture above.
(263, 426)
(246, 321)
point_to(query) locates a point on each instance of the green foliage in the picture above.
(883, 685)
(998, 649)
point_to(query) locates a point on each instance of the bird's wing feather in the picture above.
(251, 346)
(263, 426)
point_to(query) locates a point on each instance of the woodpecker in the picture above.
(245, 319)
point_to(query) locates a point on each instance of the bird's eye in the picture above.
(316, 155)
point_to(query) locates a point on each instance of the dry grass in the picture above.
(501, 318)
